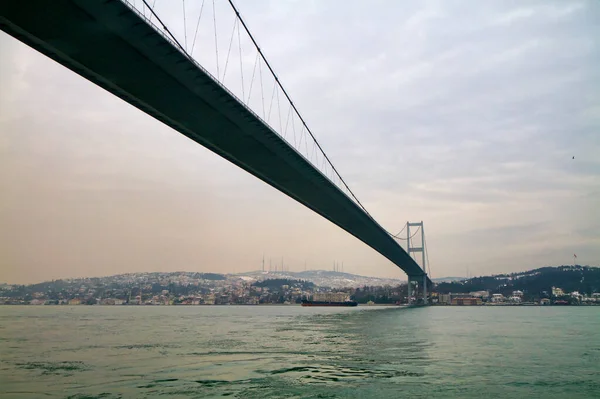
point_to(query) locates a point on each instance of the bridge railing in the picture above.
(245, 74)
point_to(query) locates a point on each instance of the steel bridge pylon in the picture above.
(420, 280)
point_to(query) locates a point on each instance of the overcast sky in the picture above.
(466, 115)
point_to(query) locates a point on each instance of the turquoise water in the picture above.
(295, 352)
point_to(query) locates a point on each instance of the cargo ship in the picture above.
(329, 299)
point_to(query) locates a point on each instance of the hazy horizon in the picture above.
(465, 115)
(400, 278)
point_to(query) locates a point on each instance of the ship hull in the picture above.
(323, 303)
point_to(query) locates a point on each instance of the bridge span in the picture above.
(118, 49)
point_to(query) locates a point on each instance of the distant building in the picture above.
(444, 299)
(480, 294)
(209, 299)
(497, 298)
(75, 301)
(515, 299)
(252, 301)
(460, 295)
(473, 301)
(557, 291)
(544, 301)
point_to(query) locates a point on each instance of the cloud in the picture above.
(464, 115)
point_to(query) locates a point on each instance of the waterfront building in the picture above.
(515, 299)
(496, 298)
(472, 301)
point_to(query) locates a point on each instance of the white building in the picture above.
(515, 299)
(497, 298)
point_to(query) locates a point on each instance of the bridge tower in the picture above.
(420, 280)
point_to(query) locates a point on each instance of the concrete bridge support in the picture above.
(421, 287)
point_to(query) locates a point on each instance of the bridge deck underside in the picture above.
(112, 46)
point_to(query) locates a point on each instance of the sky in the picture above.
(465, 115)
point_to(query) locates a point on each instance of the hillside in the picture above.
(534, 283)
(585, 279)
(277, 283)
(323, 278)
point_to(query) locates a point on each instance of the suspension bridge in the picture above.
(198, 69)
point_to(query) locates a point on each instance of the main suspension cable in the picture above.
(400, 232)
(153, 4)
(400, 238)
(167, 30)
(295, 109)
(260, 55)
